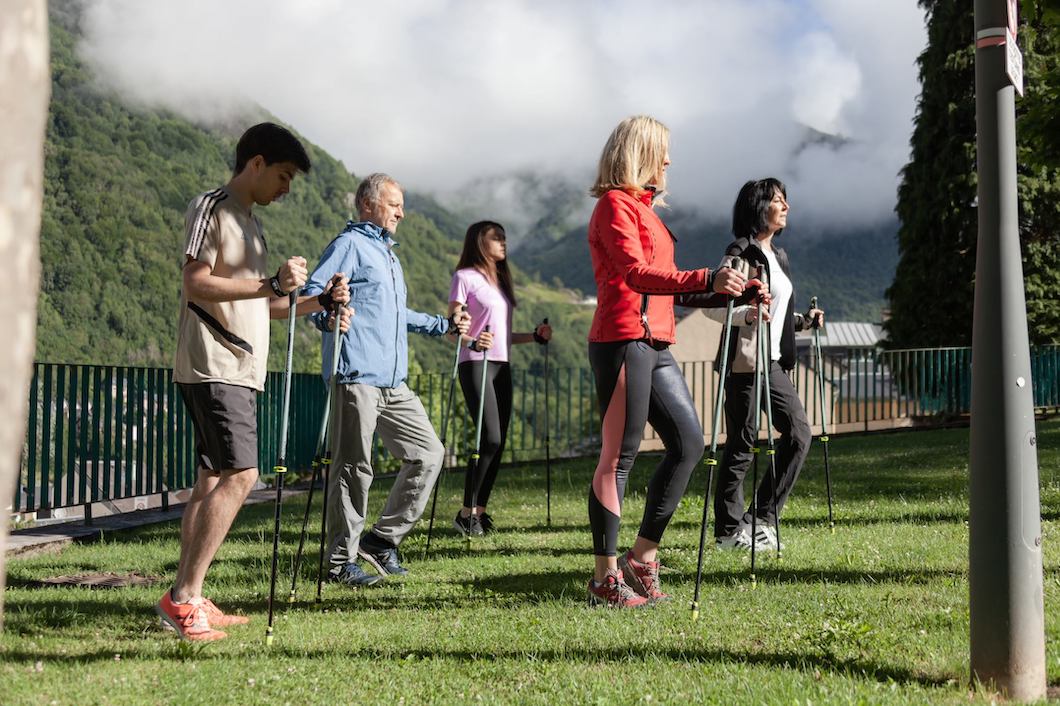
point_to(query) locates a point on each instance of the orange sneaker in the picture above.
(188, 619)
(219, 619)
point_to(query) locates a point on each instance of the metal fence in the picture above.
(102, 433)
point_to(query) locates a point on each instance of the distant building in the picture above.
(845, 335)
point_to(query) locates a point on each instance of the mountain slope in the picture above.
(117, 182)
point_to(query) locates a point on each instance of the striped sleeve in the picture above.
(200, 227)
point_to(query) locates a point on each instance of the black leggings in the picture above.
(637, 383)
(496, 413)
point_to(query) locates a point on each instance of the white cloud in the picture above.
(441, 92)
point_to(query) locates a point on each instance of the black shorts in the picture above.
(225, 418)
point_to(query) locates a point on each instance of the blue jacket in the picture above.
(375, 351)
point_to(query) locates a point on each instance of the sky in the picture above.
(446, 93)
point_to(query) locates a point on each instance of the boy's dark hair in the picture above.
(750, 213)
(274, 143)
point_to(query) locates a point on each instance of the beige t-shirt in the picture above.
(224, 342)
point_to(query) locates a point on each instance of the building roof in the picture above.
(845, 334)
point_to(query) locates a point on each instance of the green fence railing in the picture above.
(101, 433)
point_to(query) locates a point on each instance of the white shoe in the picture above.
(766, 536)
(740, 540)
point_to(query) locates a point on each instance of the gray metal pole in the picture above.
(1005, 559)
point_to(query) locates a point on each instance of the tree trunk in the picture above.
(25, 84)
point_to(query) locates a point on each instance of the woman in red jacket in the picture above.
(637, 379)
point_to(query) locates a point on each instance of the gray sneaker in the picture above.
(380, 556)
(353, 575)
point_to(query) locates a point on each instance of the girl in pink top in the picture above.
(483, 283)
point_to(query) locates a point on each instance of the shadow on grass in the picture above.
(918, 518)
(792, 660)
(767, 574)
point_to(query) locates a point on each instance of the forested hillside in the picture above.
(117, 181)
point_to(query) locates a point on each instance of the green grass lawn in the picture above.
(875, 613)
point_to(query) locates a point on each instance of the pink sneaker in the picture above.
(643, 577)
(614, 593)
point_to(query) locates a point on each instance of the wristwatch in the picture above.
(274, 282)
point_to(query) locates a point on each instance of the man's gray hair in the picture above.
(371, 189)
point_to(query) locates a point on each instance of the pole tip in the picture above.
(754, 582)
(268, 637)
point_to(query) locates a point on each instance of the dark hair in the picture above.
(473, 256)
(274, 143)
(750, 213)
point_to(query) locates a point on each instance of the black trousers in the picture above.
(789, 419)
(637, 383)
(496, 414)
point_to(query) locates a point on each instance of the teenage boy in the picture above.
(227, 299)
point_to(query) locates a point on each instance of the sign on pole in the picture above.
(1014, 61)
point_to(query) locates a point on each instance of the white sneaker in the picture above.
(766, 536)
(740, 540)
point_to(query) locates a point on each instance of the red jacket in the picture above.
(633, 255)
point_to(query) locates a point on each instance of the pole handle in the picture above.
(816, 321)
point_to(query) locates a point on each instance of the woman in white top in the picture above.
(483, 283)
(759, 216)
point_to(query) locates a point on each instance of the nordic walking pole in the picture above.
(333, 434)
(756, 449)
(447, 412)
(320, 457)
(771, 451)
(712, 461)
(280, 469)
(816, 326)
(548, 450)
(472, 462)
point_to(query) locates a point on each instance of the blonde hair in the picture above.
(633, 158)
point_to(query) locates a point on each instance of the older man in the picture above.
(372, 394)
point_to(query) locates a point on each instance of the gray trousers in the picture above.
(406, 432)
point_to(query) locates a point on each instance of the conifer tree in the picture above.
(932, 294)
